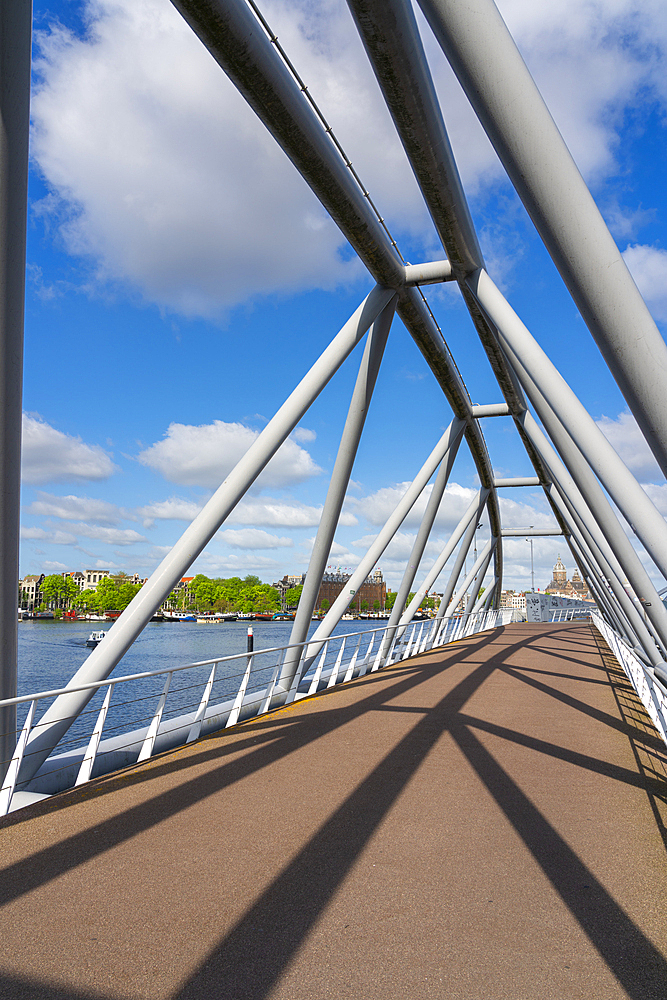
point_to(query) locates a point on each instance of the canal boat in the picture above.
(95, 638)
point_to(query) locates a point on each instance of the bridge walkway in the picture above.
(486, 821)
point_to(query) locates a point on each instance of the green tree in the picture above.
(376, 605)
(324, 604)
(364, 605)
(53, 589)
(126, 593)
(88, 600)
(293, 596)
(107, 594)
(390, 600)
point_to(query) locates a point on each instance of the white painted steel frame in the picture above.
(511, 110)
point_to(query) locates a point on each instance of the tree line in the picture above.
(201, 594)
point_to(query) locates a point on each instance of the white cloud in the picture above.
(648, 266)
(658, 495)
(253, 538)
(264, 512)
(73, 508)
(111, 536)
(205, 455)
(173, 509)
(376, 507)
(168, 181)
(50, 456)
(626, 438)
(303, 434)
(54, 537)
(161, 173)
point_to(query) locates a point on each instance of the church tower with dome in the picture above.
(568, 588)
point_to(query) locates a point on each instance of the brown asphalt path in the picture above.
(484, 822)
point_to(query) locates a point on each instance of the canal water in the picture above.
(50, 652)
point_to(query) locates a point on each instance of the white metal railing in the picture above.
(650, 691)
(569, 614)
(214, 696)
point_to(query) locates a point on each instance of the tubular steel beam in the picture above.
(473, 511)
(517, 481)
(529, 532)
(390, 36)
(15, 40)
(425, 527)
(428, 274)
(489, 67)
(482, 560)
(241, 46)
(461, 555)
(340, 477)
(598, 524)
(491, 410)
(59, 717)
(450, 439)
(528, 357)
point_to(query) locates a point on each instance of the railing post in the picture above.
(88, 761)
(9, 783)
(151, 735)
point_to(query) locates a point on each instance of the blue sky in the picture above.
(182, 278)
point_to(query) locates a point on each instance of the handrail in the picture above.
(74, 766)
(163, 670)
(649, 689)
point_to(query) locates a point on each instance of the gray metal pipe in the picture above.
(527, 356)
(59, 717)
(592, 514)
(390, 36)
(601, 558)
(241, 46)
(593, 498)
(425, 527)
(477, 584)
(448, 440)
(473, 511)
(238, 43)
(517, 481)
(15, 41)
(461, 555)
(502, 92)
(482, 559)
(340, 477)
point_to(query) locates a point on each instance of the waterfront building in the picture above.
(372, 590)
(513, 599)
(30, 592)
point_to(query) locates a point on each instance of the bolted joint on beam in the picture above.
(428, 274)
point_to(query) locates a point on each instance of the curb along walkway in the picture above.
(486, 821)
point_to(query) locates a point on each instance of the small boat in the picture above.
(264, 616)
(178, 616)
(112, 614)
(282, 616)
(95, 638)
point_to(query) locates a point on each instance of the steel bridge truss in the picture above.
(581, 474)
